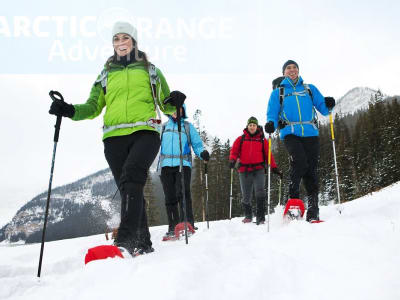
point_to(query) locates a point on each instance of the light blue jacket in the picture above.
(170, 143)
(297, 107)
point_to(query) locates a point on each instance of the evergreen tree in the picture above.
(152, 209)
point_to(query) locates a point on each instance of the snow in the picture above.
(353, 255)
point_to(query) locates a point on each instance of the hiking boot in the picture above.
(247, 220)
(142, 250)
(169, 235)
(312, 215)
(313, 209)
(124, 246)
(260, 221)
(247, 212)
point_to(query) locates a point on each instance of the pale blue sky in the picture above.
(226, 55)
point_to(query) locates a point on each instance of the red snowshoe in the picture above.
(102, 252)
(294, 209)
(246, 220)
(179, 232)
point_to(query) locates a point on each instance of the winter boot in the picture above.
(173, 216)
(313, 209)
(248, 214)
(260, 215)
(142, 244)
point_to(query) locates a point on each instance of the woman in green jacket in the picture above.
(133, 92)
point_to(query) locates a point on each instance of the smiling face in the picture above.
(292, 72)
(252, 128)
(123, 44)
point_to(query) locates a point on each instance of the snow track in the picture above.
(353, 255)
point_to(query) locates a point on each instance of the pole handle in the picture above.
(331, 121)
(56, 96)
(269, 150)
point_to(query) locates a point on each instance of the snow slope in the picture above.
(353, 255)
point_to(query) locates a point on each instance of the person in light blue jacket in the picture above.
(292, 107)
(170, 161)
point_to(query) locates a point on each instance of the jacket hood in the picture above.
(287, 82)
(184, 114)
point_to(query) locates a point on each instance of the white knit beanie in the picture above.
(124, 27)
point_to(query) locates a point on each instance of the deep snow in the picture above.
(353, 255)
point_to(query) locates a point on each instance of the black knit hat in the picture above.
(289, 62)
(252, 120)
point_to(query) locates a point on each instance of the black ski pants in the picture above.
(129, 158)
(172, 186)
(304, 154)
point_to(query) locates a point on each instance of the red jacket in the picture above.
(251, 152)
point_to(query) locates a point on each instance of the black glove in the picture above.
(176, 98)
(232, 164)
(60, 108)
(277, 172)
(269, 127)
(330, 102)
(205, 155)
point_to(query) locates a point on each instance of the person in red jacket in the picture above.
(251, 150)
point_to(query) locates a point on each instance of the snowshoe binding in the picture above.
(294, 210)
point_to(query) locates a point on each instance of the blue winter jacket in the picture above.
(170, 143)
(296, 108)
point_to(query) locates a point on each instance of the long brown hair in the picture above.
(139, 56)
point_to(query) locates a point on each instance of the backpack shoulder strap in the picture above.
(307, 88)
(241, 143)
(281, 94)
(263, 149)
(154, 78)
(162, 131)
(103, 80)
(187, 130)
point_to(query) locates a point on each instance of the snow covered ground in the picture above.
(353, 255)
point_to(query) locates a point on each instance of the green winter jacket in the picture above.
(128, 99)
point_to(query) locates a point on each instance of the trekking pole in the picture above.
(280, 192)
(230, 197)
(178, 116)
(55, 96)
(206, 173)
(269, 175)
(334, 157)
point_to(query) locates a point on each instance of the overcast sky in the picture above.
(222, 54)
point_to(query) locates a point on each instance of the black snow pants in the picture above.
(304, 155)
(129, 158)
(172, 186)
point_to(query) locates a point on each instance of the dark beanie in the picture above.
(289, 62)
(252, 120)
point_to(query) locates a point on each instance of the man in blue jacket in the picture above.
(291, 107)
(170, 161)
